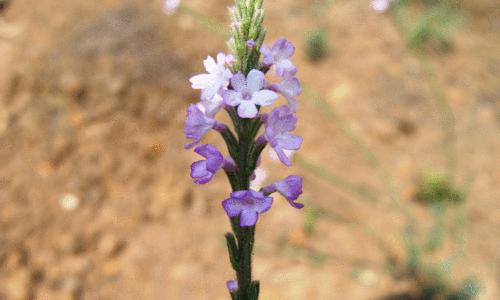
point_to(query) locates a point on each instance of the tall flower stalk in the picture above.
(237, 83)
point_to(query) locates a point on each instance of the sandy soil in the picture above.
(95, 196)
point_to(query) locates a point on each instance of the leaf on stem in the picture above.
(233, 250)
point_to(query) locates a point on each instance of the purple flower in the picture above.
(290, 188)
(230, 60)
(248, 92)
(202, 171)
(274, 156)
(250, 44)
(290, 89)
(279, 122)
(279, 55)
(217, 78)
(248, 205)
(232, 285)
(198, 124)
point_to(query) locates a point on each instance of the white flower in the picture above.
(216, 80)
(170, 6)
(381, 5)
(260, 175)
(211, 107)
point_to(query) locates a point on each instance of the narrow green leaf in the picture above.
(233, 250)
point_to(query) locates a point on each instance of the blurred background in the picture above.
(400, 113)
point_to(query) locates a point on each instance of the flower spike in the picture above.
(236, 83)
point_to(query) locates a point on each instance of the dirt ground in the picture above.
(95, 196)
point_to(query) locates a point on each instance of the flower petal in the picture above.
(248, 218)
(210, 91)
(232, 285)
(221, 60)
(210, 65)
(282, 156)
(292, 102)
(264, 97)
(201, 81)
(211, 107)
(290, 141)
(226, 77)
(232, 98)
(208, 151)
(247, 109)
(263, 205)
(192, 144)
(238, 82)
(233, 207)
(268, 55)
(289, 87)
(290, 187)
(296, 204)
(255, 80)
(199, 172)
(285, 68)
(260, 175)
(283, 48)
(239, 194)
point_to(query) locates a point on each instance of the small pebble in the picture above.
(69, 202)
(368, 277)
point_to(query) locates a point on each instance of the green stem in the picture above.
(245, 236)
(244, 272)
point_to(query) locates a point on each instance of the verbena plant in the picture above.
(236, 83)
(431, 279)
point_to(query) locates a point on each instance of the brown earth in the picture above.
(95, 196)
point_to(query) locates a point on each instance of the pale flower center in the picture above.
(246, 95)
(249, 201)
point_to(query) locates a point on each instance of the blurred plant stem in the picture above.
(336, 180)
(438, 94)
(458, 219)
(370, 157)
(205, 21)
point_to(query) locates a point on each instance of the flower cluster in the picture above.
(241, 85)
(245, 97)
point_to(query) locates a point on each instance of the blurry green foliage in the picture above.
(437, 188)
(316, 44)
(320, 7)
(434, 282)
(413, 252)
(431, 24)
(469, 289)
(437, 233)
(311, 216)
